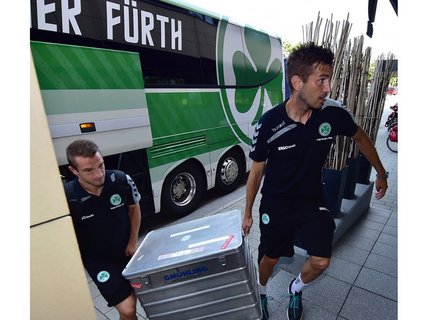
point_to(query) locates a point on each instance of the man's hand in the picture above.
(131, 249)
(247, 224)
(381, 187)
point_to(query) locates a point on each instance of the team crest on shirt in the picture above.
(103, 276)
(265, 218)
(115, 199)
(325, 129)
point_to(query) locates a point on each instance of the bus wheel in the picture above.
(230, 172)
(182, 190)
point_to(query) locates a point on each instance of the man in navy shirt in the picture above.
(104, 206)
(289, 148)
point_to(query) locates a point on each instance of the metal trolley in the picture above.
(200, 269)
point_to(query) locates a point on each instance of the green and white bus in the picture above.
(170, 93)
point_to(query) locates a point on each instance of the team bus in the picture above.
(170, 93)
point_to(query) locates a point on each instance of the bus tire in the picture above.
(392, 146)
(229, 172)
(182, 190)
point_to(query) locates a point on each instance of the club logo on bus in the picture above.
(247, 74)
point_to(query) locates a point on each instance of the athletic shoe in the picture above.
(265, 315)
(295, 304)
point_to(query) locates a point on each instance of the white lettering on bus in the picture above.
(163, 20)
(147, 27)
(68, 16)
(111, 21)
(128, 37)
(147, 24)
(176, 34)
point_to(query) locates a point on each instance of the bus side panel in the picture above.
(187, 124)
(103, 88)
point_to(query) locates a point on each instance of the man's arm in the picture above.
(252, 187)
(367, 148)
(135, 223)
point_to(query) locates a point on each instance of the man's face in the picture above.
(317, 87)
(90, 171)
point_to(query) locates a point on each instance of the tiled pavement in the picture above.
(361, 281)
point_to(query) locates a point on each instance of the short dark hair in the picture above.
(81, 148)
(304, 58)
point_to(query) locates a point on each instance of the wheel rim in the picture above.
(183, 189)
(229, 171)
(392, 145)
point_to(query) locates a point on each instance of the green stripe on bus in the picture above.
(61, 66)
(193, 117)
(182, 112)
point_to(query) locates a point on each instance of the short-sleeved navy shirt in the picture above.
(295, 153)
(102, 223)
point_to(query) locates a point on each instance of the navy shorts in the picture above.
(311, 223)
(109, 280)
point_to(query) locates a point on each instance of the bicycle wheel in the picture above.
(391, 145)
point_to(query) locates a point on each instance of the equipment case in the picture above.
(200, 269)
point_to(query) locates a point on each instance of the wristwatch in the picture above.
(382, 176)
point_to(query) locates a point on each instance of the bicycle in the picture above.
(392, 139)
(392, 118)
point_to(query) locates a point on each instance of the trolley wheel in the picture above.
(391, 145)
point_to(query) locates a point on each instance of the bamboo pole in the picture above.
(377, 95)
(349, 82)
